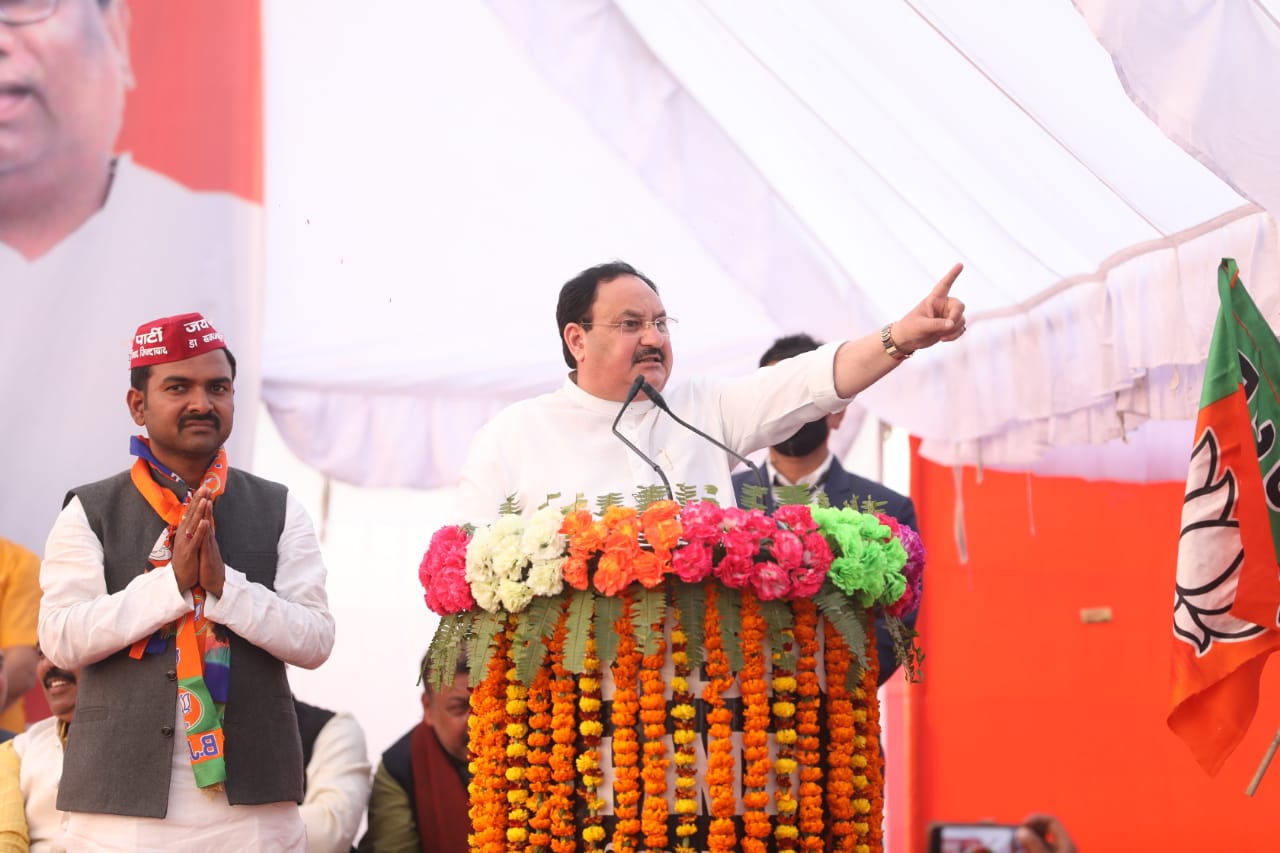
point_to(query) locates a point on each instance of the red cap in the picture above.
(173, 339)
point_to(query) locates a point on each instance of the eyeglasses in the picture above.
(18, 12)
(636, 328)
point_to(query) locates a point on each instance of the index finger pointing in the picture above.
(943, 287)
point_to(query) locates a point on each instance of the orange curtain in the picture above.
(1027, 707)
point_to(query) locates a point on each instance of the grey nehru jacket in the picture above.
(121, 744)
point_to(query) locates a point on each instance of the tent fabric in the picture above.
(811, 170)
(1200, 70)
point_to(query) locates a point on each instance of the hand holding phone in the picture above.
(1043, 833)
(973, 838)
(1039, 833)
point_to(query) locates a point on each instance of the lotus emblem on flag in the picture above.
(1201, 613)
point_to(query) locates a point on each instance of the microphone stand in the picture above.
(631, 395)
(657, 399)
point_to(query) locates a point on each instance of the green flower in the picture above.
(868, 560)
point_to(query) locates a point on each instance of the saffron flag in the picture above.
(1228, 580)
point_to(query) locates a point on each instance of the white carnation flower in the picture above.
(542, 537)
(515, 595)
(545, 578)
(486, 595)
(480, 556)
(509, 561)
(508, 557)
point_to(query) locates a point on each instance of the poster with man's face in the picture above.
(130, 189)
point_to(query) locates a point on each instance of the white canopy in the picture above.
(434, 173)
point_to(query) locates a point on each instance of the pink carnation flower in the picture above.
(787, 550)
(812, 573)
(701, 522)
(740, 543)
(797, 518)
(770, 581)
(735, 570)
(442, 572)
(692, 563)
(758, 524)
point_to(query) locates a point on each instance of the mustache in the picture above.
(210, 419)
(54, 672)
(646, 352)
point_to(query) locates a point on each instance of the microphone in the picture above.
(657, 400)
(631, 395)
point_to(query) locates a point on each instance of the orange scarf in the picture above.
(197, 644)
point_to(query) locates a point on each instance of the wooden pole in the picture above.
(1262, 768)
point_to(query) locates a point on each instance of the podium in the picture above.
(672, 677)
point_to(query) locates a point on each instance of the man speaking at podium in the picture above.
(615, 331)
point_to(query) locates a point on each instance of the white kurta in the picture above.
(40, 750)
(67, 319)
(562, 442)
(338, 783)
(81, 624)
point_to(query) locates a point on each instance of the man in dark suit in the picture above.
(805, 459)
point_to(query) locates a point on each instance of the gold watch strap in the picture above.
(886, 338)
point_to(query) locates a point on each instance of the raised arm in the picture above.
(939, 317)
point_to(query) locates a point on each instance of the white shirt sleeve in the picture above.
(292, 623)
(338, 782)
(79, 622)
(761, 408)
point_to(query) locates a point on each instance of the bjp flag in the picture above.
(1228, 580)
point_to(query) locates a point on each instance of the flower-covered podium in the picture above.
(673, 677)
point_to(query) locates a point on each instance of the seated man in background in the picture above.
(419, 799)
(336, 789)
(805, 459)
(31, 765)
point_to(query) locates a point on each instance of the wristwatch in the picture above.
(886, 338)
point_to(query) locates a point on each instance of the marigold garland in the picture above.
(590, 730)
(683, 736)
(808, 729)
(559, 801)
(487, 732)
(540, 742)
(784, 683)
(517, 754)
(755, 727)
(841, 741)
(626, 743)
(653, 720)
(869, 762)
(721, 836)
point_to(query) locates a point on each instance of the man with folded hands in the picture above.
(181, 588)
